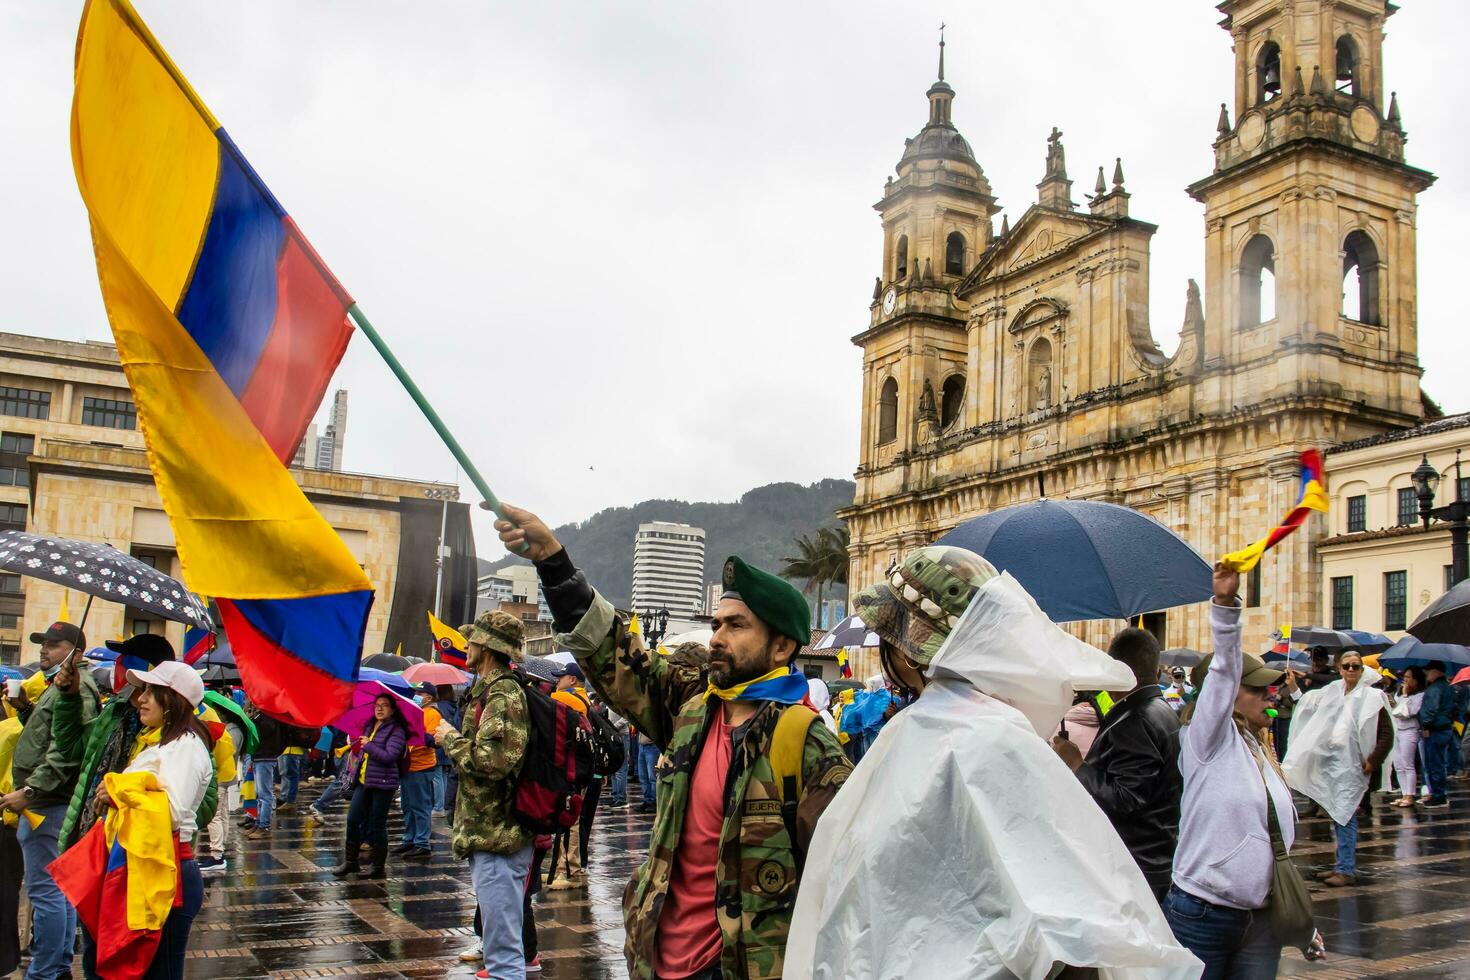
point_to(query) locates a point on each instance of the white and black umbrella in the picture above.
(849, 634)
(101, 571)
(1447, 620)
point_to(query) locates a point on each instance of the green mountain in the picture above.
(760, 527)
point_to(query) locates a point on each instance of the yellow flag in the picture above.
(634, 627)
(64, 616)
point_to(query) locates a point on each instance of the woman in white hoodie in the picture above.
(1232, 788)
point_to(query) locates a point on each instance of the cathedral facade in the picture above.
(1001, 365)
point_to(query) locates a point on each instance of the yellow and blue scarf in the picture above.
(780, 685)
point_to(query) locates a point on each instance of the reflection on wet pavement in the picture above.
(278, 913)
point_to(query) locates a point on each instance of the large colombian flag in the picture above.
(229, 328)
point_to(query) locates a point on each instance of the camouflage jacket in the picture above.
(487, 752)
(757, 865)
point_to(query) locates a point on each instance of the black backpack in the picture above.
(557, 767)
(609, 748)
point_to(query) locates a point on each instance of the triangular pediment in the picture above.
(1042, 233)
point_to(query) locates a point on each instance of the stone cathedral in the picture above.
(1003, 364)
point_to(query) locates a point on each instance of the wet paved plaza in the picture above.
(278, 913)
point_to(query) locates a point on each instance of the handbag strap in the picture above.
(1273, 825)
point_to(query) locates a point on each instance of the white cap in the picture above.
(179, 677)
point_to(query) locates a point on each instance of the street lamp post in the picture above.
(1456, 514)
(441, 553)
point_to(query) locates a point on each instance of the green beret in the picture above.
(778, 603)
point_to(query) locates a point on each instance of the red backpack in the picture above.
(557, 767)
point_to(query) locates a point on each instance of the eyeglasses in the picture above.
(1353, 667)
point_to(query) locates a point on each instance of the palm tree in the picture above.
(821, 561)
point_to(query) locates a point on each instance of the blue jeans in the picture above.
(647, 760)
(1233, 944)
(500, 891)
(1436, 752)
(54, 921)
(441, 779)
(334, 792)
(265, 791)
(290, 777)
(1347, 845)
(417, 800)
(618, 789)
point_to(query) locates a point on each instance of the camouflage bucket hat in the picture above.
(923, 599)
(501, 632)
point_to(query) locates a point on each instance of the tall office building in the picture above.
(668, 568)
(322, 449)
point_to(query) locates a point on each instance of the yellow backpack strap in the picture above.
(788, 744)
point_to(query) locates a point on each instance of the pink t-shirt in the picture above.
(688, 930)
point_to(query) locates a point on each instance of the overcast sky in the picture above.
(624, 245)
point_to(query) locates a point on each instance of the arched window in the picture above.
(1038, 376)
(901, 261)
(1268, 73)
(951, 400)
(1257, 282)
(888, 412)
(954, 254)
(1360, 278)
(1347, 66)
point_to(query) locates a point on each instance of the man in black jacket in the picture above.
(1132, 769)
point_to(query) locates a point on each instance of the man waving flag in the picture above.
(229, 327)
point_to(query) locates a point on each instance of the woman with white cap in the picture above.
(173, 745)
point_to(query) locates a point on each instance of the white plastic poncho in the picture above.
(1332, 734)
(961, 847)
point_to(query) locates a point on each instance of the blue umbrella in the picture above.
(1409, 652)
(394, 682)
(101, 654)
(1081, 559)
(11, 674)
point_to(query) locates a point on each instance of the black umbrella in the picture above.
(1321, 636)
(103, 572)
(1180, 657)
(223, 673)
(1447, 620)
(390, 662)
(223, 655)
(103, 676)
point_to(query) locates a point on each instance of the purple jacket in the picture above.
(384, 755)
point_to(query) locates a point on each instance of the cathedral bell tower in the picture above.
(1310, 214)
(936, 222)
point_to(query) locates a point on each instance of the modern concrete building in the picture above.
(73, 465)
(515, 588)
(668, 569)
(322, 449)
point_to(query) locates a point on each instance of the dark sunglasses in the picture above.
(1352, 667)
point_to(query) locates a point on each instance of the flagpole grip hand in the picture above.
(525, 534)
(1227, 585)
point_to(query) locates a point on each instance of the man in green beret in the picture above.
(746, 774)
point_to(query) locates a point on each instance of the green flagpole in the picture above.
(492, 502)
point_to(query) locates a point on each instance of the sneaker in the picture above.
(212, 866)
(403, 848)
(483, 975)
(315, 817)
(418, 854)
(616, 804)
(1436, 803)
(285, 805)
(472, 954)
(533, 965)
(258, 833)
(1339, 880)
(248, 823)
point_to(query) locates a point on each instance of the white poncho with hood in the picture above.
(961, 847)
(1332, 733)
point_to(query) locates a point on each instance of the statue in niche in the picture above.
(1043, 390)
(928, 416)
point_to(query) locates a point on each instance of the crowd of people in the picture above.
(794, 834)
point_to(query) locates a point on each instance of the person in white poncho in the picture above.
(961, 847)
(1340, 735)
